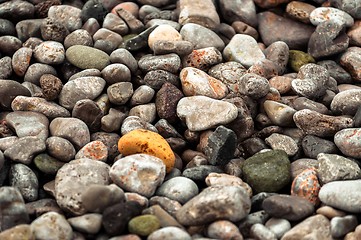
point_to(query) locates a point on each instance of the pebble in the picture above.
(163, 32)
(343, 195)
(9, 90)
(73, 177)
(78, 37)
(85, 57)
(169, 62)
(267, 171)
(165, 219)
(36, 70)
(21, 60)
(292, 208)
(347, 140)
(116, 72)
(306, 185)
(211, 205)
(23, 178)
(51, 86)
(320, 125)
(112, 121)
(51, 222)
(243, 49)
(279, 113)
(330, 212)
(60, 148)
(333, 167)
(340, 226)
(278, 226)
(253, 85)
(116, 24)
(131, 123)
(314, 227)
(171, 233)
(313, 145)
(143, 225)
(252, 218)
(5, 67)
(354, 34)
(282, 142)
(167, 204)
(67, 15)
(146, 112)
(350, 60)
(223, 229)
(47, 164)
(195, 33)
(106, 40)
(348, 6)
(155, 79)
(298, 58)
(40, 105)
(89, 112)
(233, 11)
(180, 189)
(50, 52)
(142, 95)
(299, 11)
(80, 88)
(203, 58)
(322, 14)
(87, 223)
(9, 45)
(259, 231)
(182, 48)
(166, 102)
(95, 150)
(140, 173)
(21, 231)
(198, 117)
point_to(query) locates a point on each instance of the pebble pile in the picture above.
(180, 119)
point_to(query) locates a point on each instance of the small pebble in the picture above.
(313, 145)
(322, 14)
(60, 148)
(51, 86)
(223, 229)
(330, 212)
(347, 140)
(143, 225)
(21, 231)
(259, 231)
(171, 233)
(146, 112)
(50, 52)
(119, 93)
(85, 57)
(282, 142)
(168, 62)
(306, 185)
(95, 150)
(278, 226)
(47, 164)
(88, 223)
(180, 189)
(340, 226)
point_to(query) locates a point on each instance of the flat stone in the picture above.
(200, 173)
(85, 57)
(210, 205)
(199, 116)
(73, 177)
(348, 141)
(282, 142)
(23, 178)
(169, 62)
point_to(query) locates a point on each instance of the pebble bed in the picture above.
(188, 119)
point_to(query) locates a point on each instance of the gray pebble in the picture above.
(346, 102)
(67, 15)
(340, 226)
(92, 72)
(23, 178)
(322, 14)
(24, 149)
(305, 103)
(146, 112)
(123, 56)
(50, 52)
(73, 178)
(170, 233)
(224, 229)
(313, 145)
(78, 37)
(171, 206)
(140, 173)
(168, 62)
(211, 205)
(155, 79)
(72, 129)
(348, 141)
(36, 70)
(9, 89)
(181, 48)
(89, 112)
(133, 122)
(278, 226)
(21, 60)
(251, 219)
(5, 67)
(282, 142)
(260, 232)
(12, 208)
(199, 173)
(119, 93)
(106, 40)
(116, 72)
(34, 89)
(7, 142)
(143, 94)
(9, 45)
(116, 24)
(349, 6)
(180, 189)
(51, 222)
(29, 29)
(87, 223)
(336, 71)
(112, 121)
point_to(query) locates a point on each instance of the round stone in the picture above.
(306, 185)
(322, 14)
(60, 148)
(163, 32)
(143, 225)
(346, 102)
(348, 141)
(119, 93)
(50, 52)
(95, 150)
(223, 229)
(169, 233)
(85, 57)
(278, 226)
(47, 164)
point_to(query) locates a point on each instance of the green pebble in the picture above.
(298, 58)
(47, 164)
(267, 171)
(85, 57)
(143, 225)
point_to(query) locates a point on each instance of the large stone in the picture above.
(85, 57)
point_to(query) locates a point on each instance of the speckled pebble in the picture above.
(180, 189)
(116, 72)
(348, 141)
(322, 14)
(95, 150)
(60, 148)
(50, 52)
(131, 123)
(279, 113)
(169, 62)
(313, 145)
(223, 229)
(282, 142)
(9, 89)
(88, 223)
(143, 94)
(21, 231)
(306, 185)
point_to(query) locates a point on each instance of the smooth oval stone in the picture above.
(78, 37)
(111, 195)
(313, 145)
(267, 171)
(106, 40)
(346, 102)
(9, 89)
(50, 52)
(143, 94)
(68, 15)
(143, 225)
(72, 129)
(51, 222)
(180, 189)
(288, 207)
(88, 223)
(316, 227)
(215, 203)
(73, 177)
(243, 49)
(140, 173)
(23, 178)
(343, 195)
(279, 113)
(123, 56)
(333, 167)
(85, 57)
(282, 142)
(24, 149)
(9, 45)
(116, 72)
(28, 124)
(320, 125)
(305, 103)
(340, 226)
(36, 70)
(21, 60)
(196, 82)
(80, 88)
(95, 150)
(5, 67)
(39, 105)
(223, 229)
(169, 233)
(47, 164)
(348, 141)
(169, 62)
(115, 23)
(13, 208)
(163, 32)
(196, 34)
(322, 14)
(198, 116)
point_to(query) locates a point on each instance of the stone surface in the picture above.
(169, 233)
(85, 57)
(347, 140)
(278, 226)
(143, 225)
(9, 90)
(88, 223)
(313, 145)
(23, 178)
(282, 142)
(180, 189)
(60, 148)
(306, 185)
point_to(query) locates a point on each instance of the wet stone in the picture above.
(196, 34)
(47, 164)
(80, 88)
(282, 142)
(50, 52)
(320, 125)
(12, 207)
(155, 79)
(51, 222)
(180, 189)
(313, 145)
(72, 129)
(196, 82)
(328, 39)
(5, 67)
(73, 177)
(197, 117)
(40, 105)
(288, 207)
(209, 205)
(36, 70)
(340, 226)
(351, 61)
(23, 178)
(24, 149)
(88, 223)
(111, 195)
(9, 89)
(78, 37)
(168, 62)
(85, 57)
(267, 171)
(140, 173)
(243, 49)
(348, 141)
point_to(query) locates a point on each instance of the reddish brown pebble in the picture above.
(51, 86)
